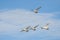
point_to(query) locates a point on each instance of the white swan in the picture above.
(34, 28)
(25, 29)
(36, 10)
(45, 27)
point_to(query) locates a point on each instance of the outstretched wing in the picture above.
(28, 27)
(38, 8)
(36, 26)
(22, 30)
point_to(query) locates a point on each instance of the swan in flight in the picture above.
(34, 28)
(25, 29)
(45, 27)
(37, 9)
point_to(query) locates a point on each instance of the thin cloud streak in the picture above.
(12, 21)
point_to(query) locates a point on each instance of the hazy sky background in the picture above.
(16, 14)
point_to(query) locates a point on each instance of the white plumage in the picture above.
(34, 28)
(25, 29)
(37, 9)
(45, 27)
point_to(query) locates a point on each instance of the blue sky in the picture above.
(47, 5)
(17, 14)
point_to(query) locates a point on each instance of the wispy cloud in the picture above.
(12, 21)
